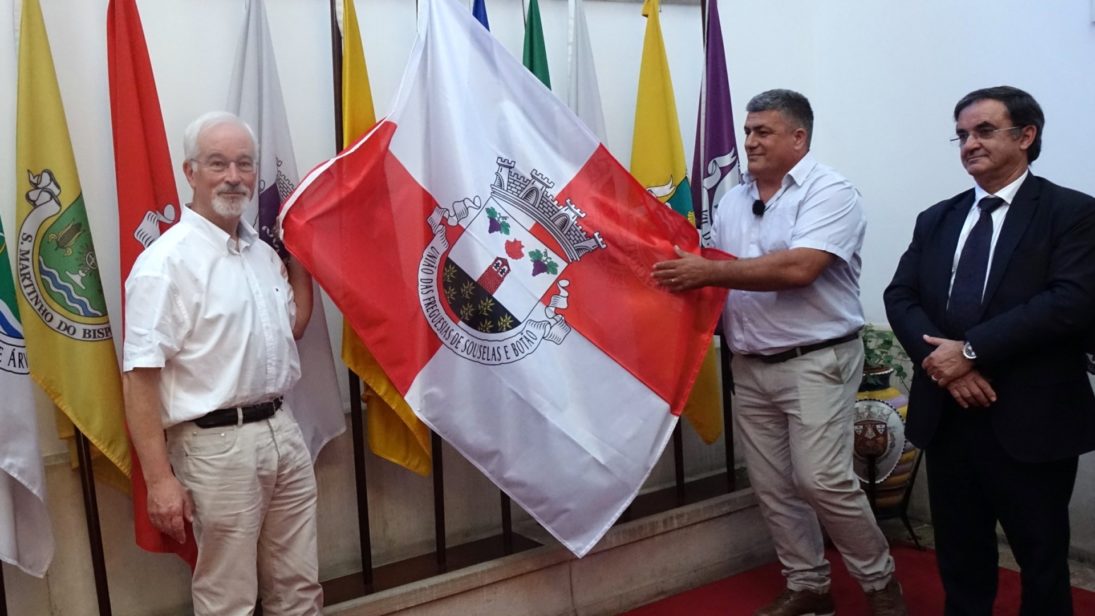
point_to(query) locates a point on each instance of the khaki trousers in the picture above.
(795, 420)
(254, 492)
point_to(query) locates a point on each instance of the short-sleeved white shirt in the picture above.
(815, 208)
(215, 314)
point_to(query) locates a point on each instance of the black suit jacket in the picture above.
(1038, 310)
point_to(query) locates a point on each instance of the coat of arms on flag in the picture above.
(13, 350)
(57, 270)
(482, 296)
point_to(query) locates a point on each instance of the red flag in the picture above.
(148, 202)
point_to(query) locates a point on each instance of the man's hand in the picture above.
(687, 272)
(170, 507)
(168, 504)
(972, 390)
(946, 363)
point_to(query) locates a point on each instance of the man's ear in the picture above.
(801, 138)
(188, 171)
(1026, 136)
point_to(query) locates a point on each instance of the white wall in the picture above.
(883, 78)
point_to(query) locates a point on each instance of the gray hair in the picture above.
(209, 120)
(793, 106)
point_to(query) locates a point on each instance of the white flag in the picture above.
(255, 96)
(583, 97)
(26, 539)
(507, 294)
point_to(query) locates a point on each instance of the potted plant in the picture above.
(883, 356)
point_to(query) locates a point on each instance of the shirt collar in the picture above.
(797, 174)
(802, 169)
(247, 233)
(1006, 193)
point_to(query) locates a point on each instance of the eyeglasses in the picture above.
(219, 165)
(983, 133)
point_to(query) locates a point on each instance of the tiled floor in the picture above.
(1083, 573)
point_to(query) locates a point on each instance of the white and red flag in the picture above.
(496, 260)
(255, 96)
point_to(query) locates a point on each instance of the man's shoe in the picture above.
(887, 601)
(800, 603)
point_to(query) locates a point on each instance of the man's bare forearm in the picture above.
(142, 413)
(301, 281)
(786, 269)
(777, 271)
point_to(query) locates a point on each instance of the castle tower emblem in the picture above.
(501, 286)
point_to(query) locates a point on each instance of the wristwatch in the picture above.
(967, 352)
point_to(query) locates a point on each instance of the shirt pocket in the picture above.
(279, 299)
(775, 229)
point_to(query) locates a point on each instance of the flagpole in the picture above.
(336, 69)
(439, 503)
(703, 23)
(94, 532)
(3, 594)
(365, 542)
(678, 462)
(357, 427)
(727, 413)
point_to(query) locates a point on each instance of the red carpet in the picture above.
(744, 593)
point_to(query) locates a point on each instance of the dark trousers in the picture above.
(973, 484)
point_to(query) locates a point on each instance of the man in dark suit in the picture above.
(992, 300)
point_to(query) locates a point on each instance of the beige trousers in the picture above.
(254, 493)
(795, 420)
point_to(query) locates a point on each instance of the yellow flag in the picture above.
(68, 336)
(657, 162)
(657, 153)
(395, 433)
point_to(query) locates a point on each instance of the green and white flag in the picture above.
(26, 539)
(535, 54)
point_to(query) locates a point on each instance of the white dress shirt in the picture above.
(1006, 193)
(215, 314)
(815, 208)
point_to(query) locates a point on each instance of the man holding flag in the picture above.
(793, 324)
(211, 318)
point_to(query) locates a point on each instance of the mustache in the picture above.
(239, 190)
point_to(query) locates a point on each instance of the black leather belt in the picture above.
(231, 416)
(779, 358)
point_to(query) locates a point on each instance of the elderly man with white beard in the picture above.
(211, 317)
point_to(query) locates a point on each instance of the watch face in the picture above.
(967, 351)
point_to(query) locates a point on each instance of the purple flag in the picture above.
(255, 96)
(715, 167)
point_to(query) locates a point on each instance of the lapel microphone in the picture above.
(758, 208)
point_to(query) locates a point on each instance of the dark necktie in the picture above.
(964, 307)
